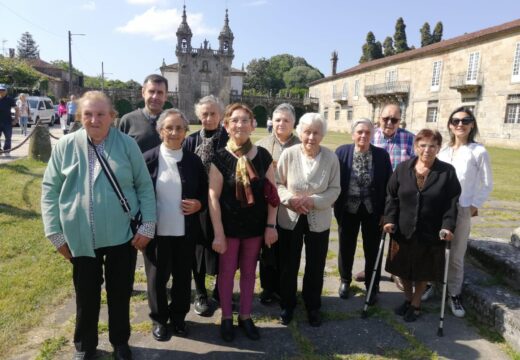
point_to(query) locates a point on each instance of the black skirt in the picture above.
(415, 260)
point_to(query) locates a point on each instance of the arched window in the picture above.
(184, 45)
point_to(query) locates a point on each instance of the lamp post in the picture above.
(70, 61)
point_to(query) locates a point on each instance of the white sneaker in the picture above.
(456, 307)
(428, 293)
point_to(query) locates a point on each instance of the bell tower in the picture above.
(184, 36)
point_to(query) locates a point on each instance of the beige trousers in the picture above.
(459, 245)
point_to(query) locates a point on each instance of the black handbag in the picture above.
(135, 221)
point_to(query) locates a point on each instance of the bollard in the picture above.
(40, 144)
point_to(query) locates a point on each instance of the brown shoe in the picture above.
(360, 276)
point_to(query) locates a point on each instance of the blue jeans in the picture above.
(7, 130)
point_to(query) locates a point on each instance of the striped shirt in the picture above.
(399, 146)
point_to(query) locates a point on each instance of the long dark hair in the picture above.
(474, 131)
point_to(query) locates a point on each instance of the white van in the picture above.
(41, 109)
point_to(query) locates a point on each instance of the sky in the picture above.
(132, 37)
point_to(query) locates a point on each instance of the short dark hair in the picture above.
(428, 134)
(472, 134)
(155, 78)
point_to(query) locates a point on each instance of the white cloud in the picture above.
(161, 24)
(256, 3)
(89, 6)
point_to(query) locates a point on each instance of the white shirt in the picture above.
(473, 168)
(170, 219)
(309, 164)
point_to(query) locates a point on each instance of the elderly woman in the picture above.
(471, 161)
(281, 139)
(84, 220)
(205, 144)
(422, 197)
(181, 188)
(242, 217)
(365, 170)
(308, 182)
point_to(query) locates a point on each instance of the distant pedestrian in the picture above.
(6, 122)
(62, 113)
(23, 112)
(269, 125)
(71, 110)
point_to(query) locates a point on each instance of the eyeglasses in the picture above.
(393, 120)
(464, 121)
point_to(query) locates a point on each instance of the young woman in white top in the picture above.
(471, 161)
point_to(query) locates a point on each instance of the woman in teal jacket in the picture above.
(84, 220)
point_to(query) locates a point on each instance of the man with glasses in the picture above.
(6, 123)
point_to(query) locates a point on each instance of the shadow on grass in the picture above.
(17, 212)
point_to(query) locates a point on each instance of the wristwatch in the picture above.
(272, 226)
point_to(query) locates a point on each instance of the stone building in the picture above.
(480, 70)
(202, 71)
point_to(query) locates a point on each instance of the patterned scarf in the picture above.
(205, 150)
(244, 173)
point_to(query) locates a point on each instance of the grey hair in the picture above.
(286, 108)
(166, 113)
(210, 99)
(311, 119)
(363, 121)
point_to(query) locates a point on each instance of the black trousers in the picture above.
(348, 232)
(269, 270)
(316, 247)
(87, 274)
(167, 256)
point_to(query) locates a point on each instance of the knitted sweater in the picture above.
(323, 186)
(137, 126)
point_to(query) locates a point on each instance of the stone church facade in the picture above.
(480, 70)
(202, 71)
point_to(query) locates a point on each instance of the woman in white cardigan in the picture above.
(471, 161)
(308, 184)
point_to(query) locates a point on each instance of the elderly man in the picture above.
(6, 123)
(140, 123)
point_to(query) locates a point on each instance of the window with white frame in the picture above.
(326, 113)
(516, 64)
(344, 92)
(391, 76)
(350, 114)
(204, 89)
(356, 88)
(513, 109)
(473, 63)
(436, 75)
(336, 113)
(432, 111)
(334, 90)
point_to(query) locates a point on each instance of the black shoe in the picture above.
(344, 290)
(226, 330)
(84, 355)
(314, 317)
(160, 332)
(267, 297)
(122, 352)
(286, 316)
(180, 329)
(412, 314)
(201, 306)
(403, 308)
(249, 328)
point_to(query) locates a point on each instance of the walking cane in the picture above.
(442, 235)
(364, 314)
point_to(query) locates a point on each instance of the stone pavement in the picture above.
(343, 335)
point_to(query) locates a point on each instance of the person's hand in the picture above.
(140, 241)
(219, 244)
(190, 206)
(389, 228)
(298, 205)
(65, 251)
(473, 210)
(308, 203)
(270, 236)
(448, 235)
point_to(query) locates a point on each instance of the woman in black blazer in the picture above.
(181, 188)
(364, 170)
(422, 197)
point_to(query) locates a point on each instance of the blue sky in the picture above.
(132, 37)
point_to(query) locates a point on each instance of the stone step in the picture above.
(498, 257)
(493, 304)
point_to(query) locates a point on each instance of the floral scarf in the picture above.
(245, 172)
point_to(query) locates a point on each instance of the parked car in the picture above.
(42, 109)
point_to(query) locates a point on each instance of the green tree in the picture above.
(27, 48)
(371, 49)
(19, 74)
(437, 33)
(388, 46)
(300, 76)
(426, 36)
(400, 43)
(257, 76)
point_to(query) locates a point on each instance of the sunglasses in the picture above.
(393, 120)
(464, 121)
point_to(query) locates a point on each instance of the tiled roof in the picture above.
(442, 46)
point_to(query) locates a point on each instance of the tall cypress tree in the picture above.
(400, 42)
(371, 49)
(388, 46)
(27, 48)
(437, 33)
(426, 37)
